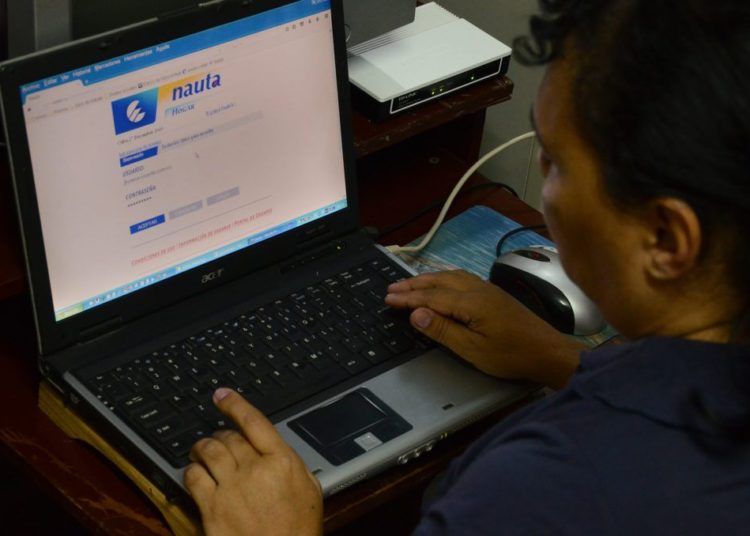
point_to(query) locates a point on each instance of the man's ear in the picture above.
(674, 238)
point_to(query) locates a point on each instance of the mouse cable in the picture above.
(431, 233)
(484, 185)
(517, 230)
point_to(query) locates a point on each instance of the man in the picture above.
(644, 121)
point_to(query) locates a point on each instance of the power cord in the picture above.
(517, 230)
(431, 233)
(390, 229)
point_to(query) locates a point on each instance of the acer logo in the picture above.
(212, 276)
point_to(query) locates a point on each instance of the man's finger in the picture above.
(237, 444)
(199, 484)
(454, 279)
(254, 426)
(443, 330)
(450, 303)
(215, 457)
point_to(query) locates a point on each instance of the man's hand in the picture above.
(251, 482)
(487, 327)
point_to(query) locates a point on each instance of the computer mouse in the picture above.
(535, 277)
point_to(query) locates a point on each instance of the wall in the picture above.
(506, 19)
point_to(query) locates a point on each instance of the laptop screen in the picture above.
(158, 161)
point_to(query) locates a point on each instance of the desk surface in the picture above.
(393, 184)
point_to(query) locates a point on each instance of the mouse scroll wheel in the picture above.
(533, 255)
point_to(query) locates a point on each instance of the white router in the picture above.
(436, 54)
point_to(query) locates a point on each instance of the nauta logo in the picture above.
(211, 81)
(134, 113)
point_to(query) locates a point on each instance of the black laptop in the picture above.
(186, 194)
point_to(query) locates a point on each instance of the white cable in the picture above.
(454, 193)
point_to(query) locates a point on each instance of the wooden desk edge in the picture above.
(55, 408)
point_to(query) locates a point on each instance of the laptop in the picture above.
(187, 200)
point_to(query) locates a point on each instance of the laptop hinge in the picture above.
(299, 262)
(101, 329)
(314, 236)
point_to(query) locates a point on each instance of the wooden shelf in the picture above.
(370, 136)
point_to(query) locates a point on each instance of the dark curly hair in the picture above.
(663, 97)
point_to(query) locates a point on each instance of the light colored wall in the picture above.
(504, 20)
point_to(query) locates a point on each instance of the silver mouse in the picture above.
(535, 277)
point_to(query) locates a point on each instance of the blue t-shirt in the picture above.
(631, 446)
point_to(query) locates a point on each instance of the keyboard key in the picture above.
(175, 364)
(295, 351)
(181, 382)
(200, 373)
(365, 319)
(399, 344)
(172, 426)
(275, 359)
(284, 377)
(202, 394)
(258, 367)
(322, 303)
(116, 391)
(365, 283)
(238, 376)
(208, 413)
(100, 380)
(336, 352)
(331, 285)
(355, 364)
(353, 343)
(221, 364)
(377, 353)
(154, 373)
(137, 402)
(275, 340)
(154, 414)
(347, 328)
(179, 446)
(181, 402)
(321, 361)
(262, 385)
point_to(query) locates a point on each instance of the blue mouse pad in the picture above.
(468, 241)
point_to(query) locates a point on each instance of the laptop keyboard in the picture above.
(276, 355)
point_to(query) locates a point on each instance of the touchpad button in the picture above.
(352, 425)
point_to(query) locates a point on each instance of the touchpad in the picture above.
(353, 425)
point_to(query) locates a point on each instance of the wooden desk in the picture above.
(394, 183)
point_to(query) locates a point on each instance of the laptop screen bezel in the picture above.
(56, 335)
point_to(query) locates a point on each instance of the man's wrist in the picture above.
(563, 358)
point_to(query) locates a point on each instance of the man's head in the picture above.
(644, 120)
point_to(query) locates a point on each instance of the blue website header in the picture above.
(147, 57)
